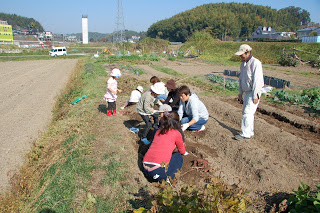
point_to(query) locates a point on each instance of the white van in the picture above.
(58, 51)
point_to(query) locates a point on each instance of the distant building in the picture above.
(71, 38)
(306, 31)
(85, 33)
(5, 32)
(266, 32)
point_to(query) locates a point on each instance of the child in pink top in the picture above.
(111, 92)
(165, 140)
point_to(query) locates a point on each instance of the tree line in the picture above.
(21, 22)
(235, 20)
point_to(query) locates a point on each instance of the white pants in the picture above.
(249, 108)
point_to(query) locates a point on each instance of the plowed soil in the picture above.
(284, 151)
(28, 92)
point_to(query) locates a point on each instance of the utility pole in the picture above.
(118, 34)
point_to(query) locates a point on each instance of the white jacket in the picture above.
(251, 77)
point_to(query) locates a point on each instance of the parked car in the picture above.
(58, 51)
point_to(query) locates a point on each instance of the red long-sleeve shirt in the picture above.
(163, 145)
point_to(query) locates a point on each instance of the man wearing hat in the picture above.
(250, 85)
(145, 108)
(173, 98)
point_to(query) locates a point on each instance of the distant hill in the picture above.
(95, 36)
(21, 22)
(234, 19)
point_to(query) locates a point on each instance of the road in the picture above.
(28, 93)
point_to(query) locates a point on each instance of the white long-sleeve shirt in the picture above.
(251, 77)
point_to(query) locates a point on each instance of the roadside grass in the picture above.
(60, 166)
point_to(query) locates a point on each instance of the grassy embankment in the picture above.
(63, 161)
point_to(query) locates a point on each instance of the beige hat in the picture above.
(140, 88)
(165, 108)
(158, 88)
(243, 49)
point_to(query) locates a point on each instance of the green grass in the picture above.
(60, 165)
(167, 70)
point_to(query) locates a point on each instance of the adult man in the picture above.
(192, 112)
(250, 84)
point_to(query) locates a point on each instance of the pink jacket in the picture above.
(109, 96)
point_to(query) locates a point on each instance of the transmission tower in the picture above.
(118, 35)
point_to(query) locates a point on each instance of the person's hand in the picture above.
(255, 100)
(184, 126)
(186, 153)
(119, 90)
(239, 97)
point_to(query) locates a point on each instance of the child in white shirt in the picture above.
(134, 97)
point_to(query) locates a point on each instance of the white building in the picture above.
(85, 29)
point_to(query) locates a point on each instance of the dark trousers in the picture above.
(147, 120)
(112, 106)
(160, 174)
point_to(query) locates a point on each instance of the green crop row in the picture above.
(230, 85)
(309, 97)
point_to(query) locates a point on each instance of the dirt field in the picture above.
(28, 92)
(284, 152)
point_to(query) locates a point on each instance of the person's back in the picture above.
(162, 146)
(135, 96)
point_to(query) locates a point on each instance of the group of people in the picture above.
(181, 110)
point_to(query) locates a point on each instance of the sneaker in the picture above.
(202, 128)
(121, 107)
(240, 137)
(145, 141)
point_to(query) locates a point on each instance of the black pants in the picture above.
(112, 106)
(147, 120)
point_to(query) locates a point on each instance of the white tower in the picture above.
(85, 29)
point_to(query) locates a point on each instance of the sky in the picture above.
(65, 16)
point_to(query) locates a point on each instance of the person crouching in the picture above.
(165, 140)
(145, 108)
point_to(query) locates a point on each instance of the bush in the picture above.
(287, 61)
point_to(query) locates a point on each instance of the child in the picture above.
(134, 97)
(145, 108)
(166, 139)
(111, 92)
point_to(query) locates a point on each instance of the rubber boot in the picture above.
(109, 113)
(114, 112)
